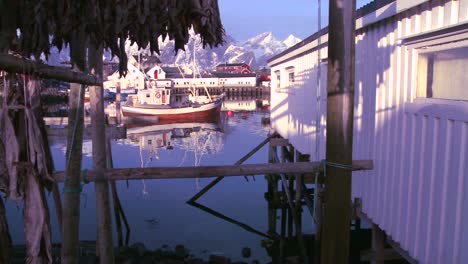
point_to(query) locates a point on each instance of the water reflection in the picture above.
(195, 139)
(156, 209)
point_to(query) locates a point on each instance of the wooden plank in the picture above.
(208, 171)
(401, 251)
(335, 230)
(14, 64)
(385, 254)
(112, 132)
(279, 142)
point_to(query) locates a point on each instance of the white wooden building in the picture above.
(135, 78)
(410, 117)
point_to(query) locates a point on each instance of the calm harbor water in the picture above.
(157, 210)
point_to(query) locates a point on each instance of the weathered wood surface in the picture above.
(112, 132)
(72, 185)
(279, 142)
(14, 64)
(335, 230)
(384, 255)
(213, 171)
(98, 123)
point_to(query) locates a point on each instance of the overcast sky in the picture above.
(244, 19)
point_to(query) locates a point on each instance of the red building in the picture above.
(234, 68)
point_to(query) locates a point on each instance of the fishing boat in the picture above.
(167, 105)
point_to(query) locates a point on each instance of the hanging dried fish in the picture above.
(47, 23)
(27, 163)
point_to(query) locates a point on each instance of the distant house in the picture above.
(136, 75)
(156, 72)
(176, 72)
(263, 77)
(235, 68)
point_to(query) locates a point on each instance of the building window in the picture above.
(442, 74)
(291, 78)
(278, 79)
(290, 71)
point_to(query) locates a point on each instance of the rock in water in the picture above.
(214, 259)
(246, 252)
(181, 251)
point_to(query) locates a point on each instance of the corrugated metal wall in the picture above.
(418, 191)
(294, 106)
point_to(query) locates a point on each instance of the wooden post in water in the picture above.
(98, 122)
(378, 244)
(118, 99)
(340, 104)
(72, 185)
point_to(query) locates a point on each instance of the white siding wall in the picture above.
(417, 190)
(294, 106)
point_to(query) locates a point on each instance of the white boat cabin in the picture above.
(159, 96)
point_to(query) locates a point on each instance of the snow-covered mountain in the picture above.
(255, 51)
(291, 40)
(265, 45)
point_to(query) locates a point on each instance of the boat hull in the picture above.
(169, 114)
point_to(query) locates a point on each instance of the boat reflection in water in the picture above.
(197, 139)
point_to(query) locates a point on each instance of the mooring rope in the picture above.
(84, 174)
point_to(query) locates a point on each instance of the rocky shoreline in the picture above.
(139, 254)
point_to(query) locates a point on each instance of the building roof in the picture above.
(174, 72)
(230, 64)
(228, 75)
(369, 8)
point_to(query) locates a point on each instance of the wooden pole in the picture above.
(115, 196)
(118, 107)
(340, 104)
(98, 122)
(72, 187)
(14, 64)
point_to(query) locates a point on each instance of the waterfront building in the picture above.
(410, 118)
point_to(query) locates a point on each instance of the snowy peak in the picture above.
(261, 39)
(291, 40)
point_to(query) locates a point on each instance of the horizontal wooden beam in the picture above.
(279, 142)
(358, 165)
(208, 171)
(385, 254)
(14, 64)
